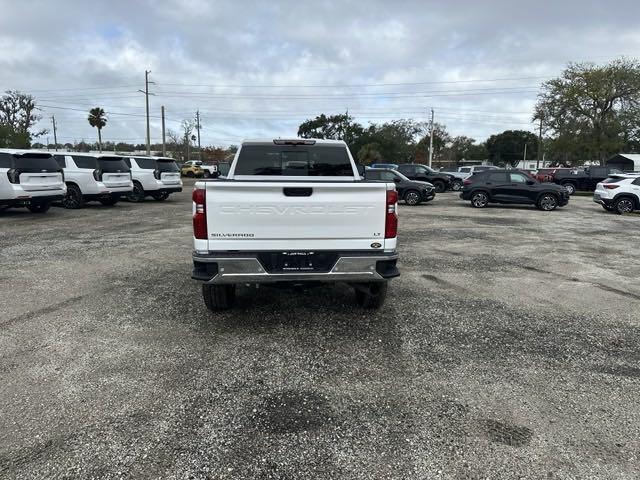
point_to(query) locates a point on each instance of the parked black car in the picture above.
(412, 192)
(422, 173)
(512, 186)
(583, 179)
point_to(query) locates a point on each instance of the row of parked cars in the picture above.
(482, 185)
(38, 179)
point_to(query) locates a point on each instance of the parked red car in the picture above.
(547, 174)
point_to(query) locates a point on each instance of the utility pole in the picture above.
(146, 96)
(198, 128)
(55, 133)
(540, 148)
(164, 144)
(431, 140)
(524, 158)
(188, 140)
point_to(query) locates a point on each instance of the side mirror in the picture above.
(360, 169)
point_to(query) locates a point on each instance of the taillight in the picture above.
(391, 222)
(466, 182)
(610, 186)
(14, 175)
(200, 213)
(157, 174)
(97, 174)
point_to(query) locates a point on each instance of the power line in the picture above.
(357, 85)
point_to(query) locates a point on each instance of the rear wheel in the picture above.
(571, 188)
(190, 174)
(624, 205)
(108, 201)
(41, 207)
(73, 199)
(412, 197)
(548, 202)
(456, 186)
(160, 196)
(479, 199)
(206, 174)
(137, 194)
(371, 295)
(439, 186)
(218, 297)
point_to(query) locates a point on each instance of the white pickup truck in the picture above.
(294, 212)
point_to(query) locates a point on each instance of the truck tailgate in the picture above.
(243, 215)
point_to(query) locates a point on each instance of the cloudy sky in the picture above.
(258, 69)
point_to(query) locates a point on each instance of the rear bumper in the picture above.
(32, 199)
(607, 202)
(169, 189)
(226, 268)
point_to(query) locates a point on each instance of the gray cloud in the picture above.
(247, 65)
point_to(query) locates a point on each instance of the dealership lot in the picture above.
(509, 347)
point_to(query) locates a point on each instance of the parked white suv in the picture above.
(619, 193)
(89, 176)
(156, 177)
(29, 179)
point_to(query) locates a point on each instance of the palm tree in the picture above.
(98, 119)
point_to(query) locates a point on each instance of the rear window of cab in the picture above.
(295, 161)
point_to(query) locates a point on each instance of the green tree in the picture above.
(593, 111)
(334, 127)
(441, 139)
(98, 119)
(369, 153)
(17, 118)
(507, 148)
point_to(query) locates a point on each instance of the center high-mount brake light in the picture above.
(200, 213)
(391, 219)
(297, 141)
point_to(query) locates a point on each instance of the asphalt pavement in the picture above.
(508, 348)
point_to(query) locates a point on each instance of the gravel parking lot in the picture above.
(508, 348)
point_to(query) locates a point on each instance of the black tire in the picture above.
(412, 197)
(371, 295)
(218, 297)
(456, 185)
(160, 196)
(439, 186)
(40, 207)
(137, 194)
(73, 199)
(206, 174)
(109, 201)
(570, 186)
(479, 199)
(547, 202)
(623, 205)
(190, 174)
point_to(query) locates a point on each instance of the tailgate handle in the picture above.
(297, 191)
